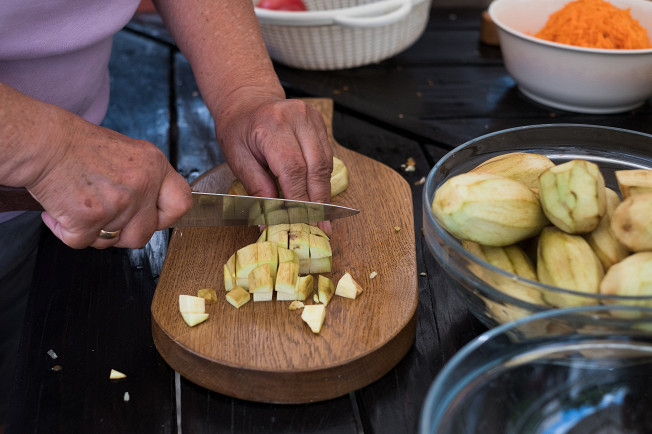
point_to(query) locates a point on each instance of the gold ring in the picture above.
(108, 235)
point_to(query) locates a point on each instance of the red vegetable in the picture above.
(282, 5)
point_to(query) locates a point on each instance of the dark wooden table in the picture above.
(92, 308)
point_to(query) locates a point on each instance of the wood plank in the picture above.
(145, 87)
(455, 132)
(269, 355)
(198, 150)
(453, 46)
(139, 107)
(92, 308)
(414, 101)
(393, 403)
(206, 412)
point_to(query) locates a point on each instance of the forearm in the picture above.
(223, 44)
(262, 134)
(31, 134)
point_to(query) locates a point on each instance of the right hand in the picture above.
(101, 179)
(88, 178)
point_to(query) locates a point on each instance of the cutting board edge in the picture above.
(307, 381)
(382, 358)
(350, 360)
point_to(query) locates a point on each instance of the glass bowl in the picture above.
(567, 371)
(479, 283)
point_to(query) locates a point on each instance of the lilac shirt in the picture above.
(58, 51)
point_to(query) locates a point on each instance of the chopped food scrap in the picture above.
(325, 289)
(397, 228)
(208, 294)
(422, 274)
(295, 305)
(194, 318)
(191, 304)
(421, 181)
(373, 274)
(193, 309)
(238, 296)
(126, 397)
(409, 165)
(52, 354)
(347, 287)
(116, 375)
(314, 316)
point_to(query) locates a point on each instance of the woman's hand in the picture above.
(88, 178)
(107, 181)
(268, 137)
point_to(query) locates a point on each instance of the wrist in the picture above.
(32, 134)
(243, 101)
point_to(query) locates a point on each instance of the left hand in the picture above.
(265, 136)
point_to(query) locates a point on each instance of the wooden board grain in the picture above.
(265, 352)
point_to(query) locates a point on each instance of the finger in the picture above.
(117, 211)
(79, 226)
(326, 227)
(319, 159)
(255, 178)
(107, 238)
(291, 174)
(77, 242)
(247, 165)
(322, 131)
(57, 230)
(173, 201)
(304, 172)
(156, 210)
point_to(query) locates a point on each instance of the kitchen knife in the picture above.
(212, 209)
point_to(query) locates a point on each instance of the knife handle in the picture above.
(17, 199)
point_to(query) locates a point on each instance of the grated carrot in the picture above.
(595, 24)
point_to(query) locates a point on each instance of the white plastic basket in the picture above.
(338, 34)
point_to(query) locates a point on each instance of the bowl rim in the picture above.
(436, 387)
(454, 243)
(587, 50)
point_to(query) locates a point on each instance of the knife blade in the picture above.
(214, 209)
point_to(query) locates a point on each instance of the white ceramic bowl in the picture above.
(585, 80)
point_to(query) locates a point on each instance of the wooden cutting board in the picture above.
(263, 351)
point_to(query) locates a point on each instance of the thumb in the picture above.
(174, 199)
